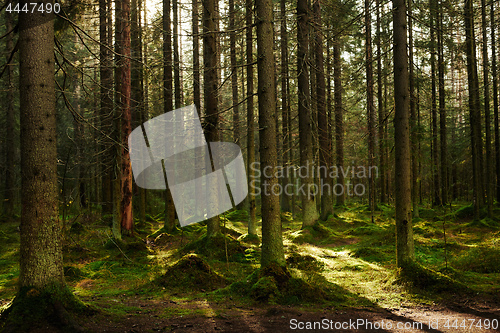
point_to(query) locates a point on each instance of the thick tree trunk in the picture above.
(473, 103)
(42, 289)
(272, 241)
(252, 220)
(404, 232)
(210, 86)
(309, 212)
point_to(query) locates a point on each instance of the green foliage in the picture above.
(215, 248)
(420, 277)
(479, 259)
(237, 215)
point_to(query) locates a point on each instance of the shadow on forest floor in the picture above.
(346, 268)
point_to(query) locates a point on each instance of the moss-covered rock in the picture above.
(265, 289)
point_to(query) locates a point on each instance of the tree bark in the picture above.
(404, 232)
(487, 121)
(196, 57)
(210, 86)
(309, 212)
(442, 107)
(435, 157)
(495, 99)
(339, 121)
(127, 220)
(413, 118)
(381, 112)
(252, 227)
(10, 146)
(370, 112)
(326, 184)
(168, 104)
(272, 241)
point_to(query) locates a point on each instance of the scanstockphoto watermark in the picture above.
(353, 176)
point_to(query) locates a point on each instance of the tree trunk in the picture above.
(272, 241)
(435, 164)
(10, 142)
(413, 118)
(309, 212)
(339, 122)
(196, 57)
(106, 103)
(381, 112)
(285, 111)
(487, 121)
(326, 184)
(404, 232)
(42, 289)
(210, 86)
(473, 103)
(495, 99)
(127, 220)
(252, 227)
(177, 75)
(168, 104)
(442, 107)
(369, 103)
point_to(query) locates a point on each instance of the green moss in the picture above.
(33, 306)
(265, 289)
(215, 248)
(418, 276)
(479, 259)
(237, 215)
(304, 262)
(191, 271)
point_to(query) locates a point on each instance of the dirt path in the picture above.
(202, 316)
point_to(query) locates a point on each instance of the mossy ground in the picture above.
(346, 261)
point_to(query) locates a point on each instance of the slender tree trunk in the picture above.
(127, 220)
(252, 209)
(272, 242)
(339, 122)
(210, 86)
(404, 232)
(106, 103)
(10, 141)
(196, 57)
(326, 184)
(435, 158)
(473, 103)
(487, 121)
(285, 114)
(116, 182)
(413, 118)
(177, 77)
(309, 212)
(495, 100)
(381, 112)
(168, 104)
(442, 107)
(329, 108)
(369, 103)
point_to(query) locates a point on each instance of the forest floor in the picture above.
(343, 275)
